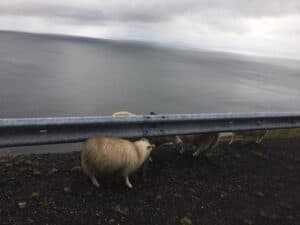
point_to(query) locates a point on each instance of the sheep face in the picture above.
(144, 146)
(179, 144)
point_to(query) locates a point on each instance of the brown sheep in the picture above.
(201, 142)
(258, 135)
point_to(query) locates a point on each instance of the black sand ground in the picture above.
(247, 184)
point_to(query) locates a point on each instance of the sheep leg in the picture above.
(145, 167)
(197, 152)
(127, 182)
(259, 139)
(232, 139)
(94, 181)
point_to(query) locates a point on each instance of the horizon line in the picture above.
(150, 43)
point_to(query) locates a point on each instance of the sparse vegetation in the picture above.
(179, 190)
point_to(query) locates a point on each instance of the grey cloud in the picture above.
(78, 14)
(157, 11)
(53, 11)
(263, 26)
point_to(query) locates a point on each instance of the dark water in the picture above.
(44, 75)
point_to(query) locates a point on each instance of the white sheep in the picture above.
(123, 114)
(109, 155)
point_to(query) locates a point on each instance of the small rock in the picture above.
(277, 178)
(185, 221)
(158, 197)
(111, 221)
(28, 162)
(53, 170)
(290, 167)
(223, 194)
(123, 211)
(22, 205)
(30, 220)
(260, 194)
(3, 160)
(273, 217)
(177, 195)
(247, 222)
(19, 161)
(76, 169)
(36, 172)
(290, 217)
(286, 205)
(263, 214)
(24, 169)
(192, 190)
(8, 164)
(35, 194)
(67, 189)
(268, 216)
(236, 156)
(260, 155)
(294, 179)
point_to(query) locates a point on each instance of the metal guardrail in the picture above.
(38, 131)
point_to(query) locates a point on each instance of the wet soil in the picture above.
(242, 184)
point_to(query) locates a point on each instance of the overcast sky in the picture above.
(263, 27)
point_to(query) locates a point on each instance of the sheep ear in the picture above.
(150, 147)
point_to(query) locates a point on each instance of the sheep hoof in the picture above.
(128, 184)
(95, 182)
(258, 141)
(196, 154)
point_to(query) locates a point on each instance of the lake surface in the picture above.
(43, 75)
